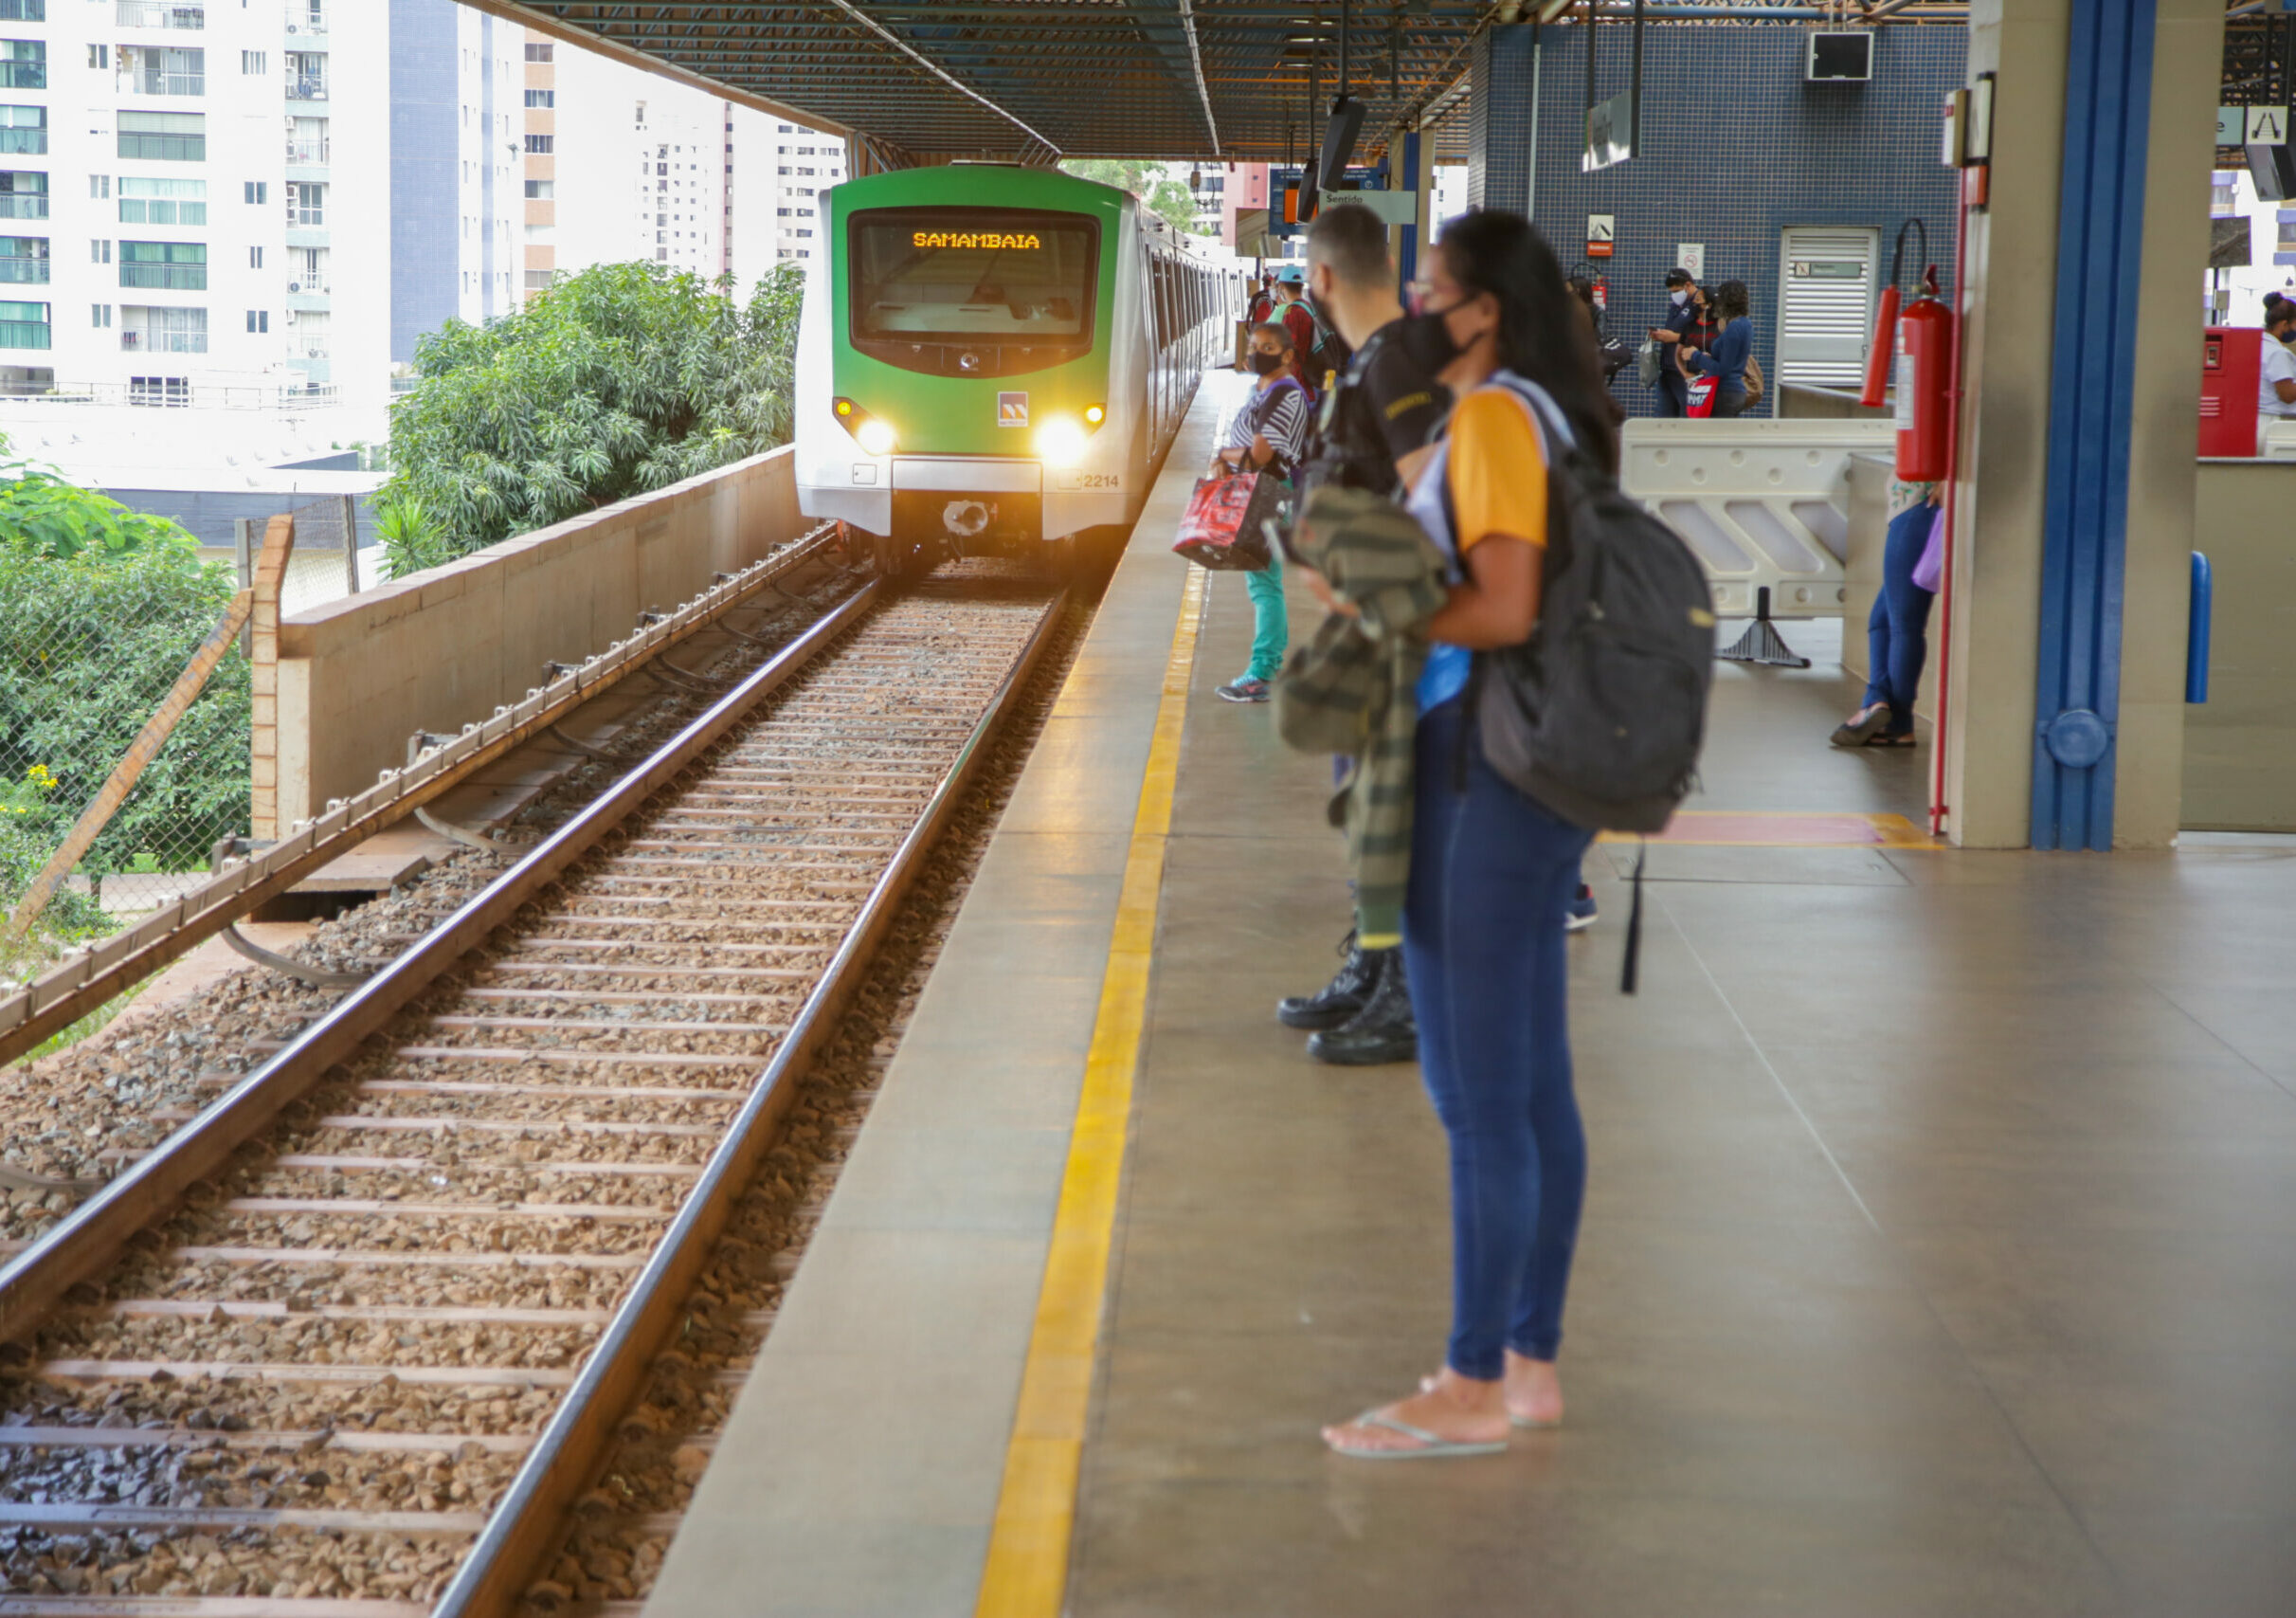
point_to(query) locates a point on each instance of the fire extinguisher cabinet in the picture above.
(2231, 364)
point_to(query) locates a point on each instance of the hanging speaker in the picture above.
(1339, 130)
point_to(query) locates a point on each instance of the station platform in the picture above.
(1936, 1259)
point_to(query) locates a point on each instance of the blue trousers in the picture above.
(1897, 630)
(1491, 873)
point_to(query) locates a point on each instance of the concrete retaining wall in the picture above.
(440, 648)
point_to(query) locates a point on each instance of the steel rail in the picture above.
(87, 979)
(527, 1522)
(78, 1248)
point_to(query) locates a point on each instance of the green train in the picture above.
(991, 360)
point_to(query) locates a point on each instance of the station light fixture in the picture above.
(875, 435)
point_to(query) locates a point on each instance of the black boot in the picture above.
(1339, 999)
(1382, 1032)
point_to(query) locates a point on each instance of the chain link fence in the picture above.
(90, 646)
(326, 562)
(88, 650)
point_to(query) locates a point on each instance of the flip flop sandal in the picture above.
(1432, 1447)
(1427, 1386)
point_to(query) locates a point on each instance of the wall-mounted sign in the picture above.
(1610, 133)
(1689, 257)
(2232, 126)
(1601, 235)
(2267, 126)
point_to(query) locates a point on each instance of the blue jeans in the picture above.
(1491, 874)
(1897, 630)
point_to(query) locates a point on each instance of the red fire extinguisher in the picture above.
(1925, 361)
(1882, 352)
(1601, 293)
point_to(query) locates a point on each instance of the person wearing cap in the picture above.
(1681, 314)
(1292, 311)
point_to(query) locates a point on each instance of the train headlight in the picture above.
(1094, 414)
(874, 437)
(1060, 442)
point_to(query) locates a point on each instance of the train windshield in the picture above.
(973, 275)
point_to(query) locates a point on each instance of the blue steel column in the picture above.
(1415, 178)
(1499, 116)
(2100, 230)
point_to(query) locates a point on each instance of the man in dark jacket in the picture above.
(1373, 431)
(1681, 319)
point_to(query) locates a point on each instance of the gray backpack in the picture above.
(1600, 712)
(1600, 715)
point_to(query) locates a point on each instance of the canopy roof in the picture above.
(1039, 80)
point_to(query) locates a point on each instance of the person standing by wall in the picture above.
(1733, 345)
(1492, 871)
(1268, 435)
(1897, 632)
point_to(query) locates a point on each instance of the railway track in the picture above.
(356, 1341)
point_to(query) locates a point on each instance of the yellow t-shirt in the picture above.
(1499, 470)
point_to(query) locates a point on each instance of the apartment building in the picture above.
(141, 201)
(191, 192)
(806, 164)
(638, 166)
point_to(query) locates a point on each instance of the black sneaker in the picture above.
(1339, 999)
(1381, 1032)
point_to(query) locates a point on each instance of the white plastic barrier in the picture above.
(1764, 502)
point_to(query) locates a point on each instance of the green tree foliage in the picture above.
(1176, 204)
(41, 514)
(1152, 183)
(618, 380)
(614, 382)
(89, 645)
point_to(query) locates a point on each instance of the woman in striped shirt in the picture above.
(1270, 435)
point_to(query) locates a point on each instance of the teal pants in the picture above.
(1270, 632)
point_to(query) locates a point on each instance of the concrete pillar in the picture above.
(1500, 126)
(2074, 507)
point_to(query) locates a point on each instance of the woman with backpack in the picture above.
(1492, 872)
(1268, 435)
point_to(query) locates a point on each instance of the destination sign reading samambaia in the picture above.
(971, 239)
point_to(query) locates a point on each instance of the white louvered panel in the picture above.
(1825, 309)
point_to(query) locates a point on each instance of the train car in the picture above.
(991, 359)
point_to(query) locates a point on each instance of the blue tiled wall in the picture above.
(1498, 137)
(1736, 148)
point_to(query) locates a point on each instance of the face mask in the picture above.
(1425, 339)
(1264, 364)
(1680, 297)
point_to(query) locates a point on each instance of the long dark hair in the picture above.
(1544, 334)
(1730, 301)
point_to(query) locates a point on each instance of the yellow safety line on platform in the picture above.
(1026, 1575)
(1893, 832)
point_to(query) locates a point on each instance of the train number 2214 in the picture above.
(1088, 480)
